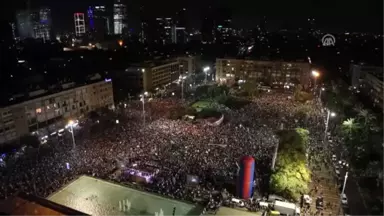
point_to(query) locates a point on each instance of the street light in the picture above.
(345, 182)
(206, 69)
(182, 86)
(70, 124)
(321, 90)
(343, 189)
(315, 75)
(329, 114)
(143, 100)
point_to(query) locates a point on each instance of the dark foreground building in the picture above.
(24, 204)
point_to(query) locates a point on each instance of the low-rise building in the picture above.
(150, 75)
(44, 111)
(357, 73)
(278, 73)
(159, 73)
(188, 64)
(372, 86)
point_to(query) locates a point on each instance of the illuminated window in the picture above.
(38, 110)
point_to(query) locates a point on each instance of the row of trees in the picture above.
(220, 94)
(291, 176)
(362, 133)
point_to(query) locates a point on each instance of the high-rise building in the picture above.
(180, 35)
(98, 19)
(44, 27)
(179, 31)
(79, 24)
(26, 20)
(34, 23)
(223, 30)
(119, 17)
(208, 26)
(164, 33)
(181, 18)
(13, 27)
(91, 19)
(144, 29)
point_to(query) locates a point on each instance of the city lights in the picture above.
(315, 74)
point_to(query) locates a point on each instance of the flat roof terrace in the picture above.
(98, 197)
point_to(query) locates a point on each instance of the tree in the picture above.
(349, 127)
(291, 179)
(366, 116)
(202, 91)
(291, 176)
(251, 88)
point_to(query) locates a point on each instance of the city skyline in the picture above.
(330, 16)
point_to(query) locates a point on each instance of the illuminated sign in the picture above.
(108, 80)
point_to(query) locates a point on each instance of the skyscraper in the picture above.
(223, 29)
(165, 30)
(144, 31)
(26, 21)
(207, 26)
(44, 27)
(119, 17)
(180, 27)
(34, 23)
(79, 24)
(98, 20)
(181, 18)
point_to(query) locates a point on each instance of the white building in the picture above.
(119, 17)
(277, 73)
(45, 113)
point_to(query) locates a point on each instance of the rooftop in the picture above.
(225, 211)
(154, 63)
(97, 197)
(24, 204)
(41, 92)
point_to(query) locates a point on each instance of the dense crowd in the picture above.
(175, 148)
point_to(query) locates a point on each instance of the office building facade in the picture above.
(46, 114)
(99, 22)
(188, 64)
(34, 24)
(158, 74)
(165, 30)
(119, 17)
(277, 73)
(79, 24)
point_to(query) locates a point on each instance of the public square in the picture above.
(122, 140)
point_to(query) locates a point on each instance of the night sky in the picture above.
(330, 15)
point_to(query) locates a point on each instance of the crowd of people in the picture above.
(176, 148)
